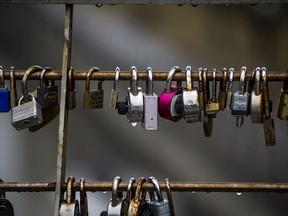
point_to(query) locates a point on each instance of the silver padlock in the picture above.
(150, 99)
(115, 204)
(6, 208)
(256, 105)
(159, 206)
(70, 206)
(190, 97)
(28, 112)
(134, 99)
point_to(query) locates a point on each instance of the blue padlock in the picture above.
(4, 94)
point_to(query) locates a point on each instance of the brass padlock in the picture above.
(222, 90)
(283, 102)
(138, 203)
(28, 112)
(212, 107)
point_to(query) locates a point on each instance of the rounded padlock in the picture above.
(170, 100)
(70, 206)
(115, 204)
(138, 202)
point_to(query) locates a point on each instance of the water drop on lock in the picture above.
(239, 193)
(134, 124)
(104, 192)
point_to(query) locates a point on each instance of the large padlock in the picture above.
(83, 198)
(47, 94)
(268, 121)
(159, 206)
(6, 208)
(191, 107)
(115, 90)
(13, 90)
(283, 102)
(71, 91)
(212, 107)
(150, 100)
(229, 93)
(256, 106)
(170, 100)
(207, 119)
(93, 99)
(28, 113)
(240, 105)
(222, 90)
(4, 94)
(115, 204)
(138, 203)
(70, 206)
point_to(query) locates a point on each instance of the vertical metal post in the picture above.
(63, 117)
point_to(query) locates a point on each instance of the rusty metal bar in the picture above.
(175, 187)
(63, 116)
(126, 75)
(141, 2)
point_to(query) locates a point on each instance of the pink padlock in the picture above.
(170, 98)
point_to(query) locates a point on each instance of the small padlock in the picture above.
(28, 112)
(4, 94)
(229, 92)
(93, 99)
(222, 90)
(115, 204)
(256, 106)
(169, 196)
(283, 102)
(70, 206)
(150, 100)
(71, 91)
(240, 105)
(212, 107)
(83, 198)
(200, 89)
(6, 208)
(207, 119)
(47, 95)
(138, 203)
(268, 121)
(13, 91)
(129, 196)
(115, 90)
(191, 107)
(170, 100)
(159, 206)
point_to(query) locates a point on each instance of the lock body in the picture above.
(4, 100)
(240, 104)
(47, 96)
(150, 116)
(283, 105)
(159, 208)
(26, 115)
(212, 108)
(135, 106)
(71, 209)
(256, 108)
(114, 99)
(191, 107)
(93, 99)
(71, 99)
(115, 210)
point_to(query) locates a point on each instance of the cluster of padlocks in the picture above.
(133, 204)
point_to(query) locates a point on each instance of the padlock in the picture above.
(70, 206)
(138, 203)
(268, 121)
(200, 89)
(93, 99)
(229, 92)
(212, 107)
(71, 91)
(169, 196)
(207, 119)
(115, 204)
(159, 206)
(129, 196)
(170, 100)
(83, 198)
(28, 112)
(4, 94)
(190, 98)
(47, 95)
(6, 208)
(240, 105)
(256, 106)
(222, 90)
(13, 91)
(115, 90)
(150, 100)
(283, 102)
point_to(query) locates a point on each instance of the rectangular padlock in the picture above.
(71, 100)
(93, 99)
(26, 115)
(5, 100)
(150, 115)
(240, 104)
(47, 96)
(283, 105)
(212, 108)
(159, 208)
(191, 107)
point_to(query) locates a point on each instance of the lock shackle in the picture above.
(2, 82)
(223, 82)
(214, 84)
(116, 79)
(230, 81)
(12, 80)
(46, 69)
(70, 194)
(130, 193)
(257, 78)
(71, 81)
(134, 81)
(265, 93)
(155, 183)
(189, 84)
(206, 92)
(242, 80)
(83, 198)
(140, 183)
(115, 193)
(90, 72)
(200, 82)
(30, 70)
(172, 71)
(169, 196)
(149, 82)
(251, 85)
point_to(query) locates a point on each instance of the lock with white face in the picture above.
(115, 204)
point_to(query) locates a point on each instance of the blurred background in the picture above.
(102, 145)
